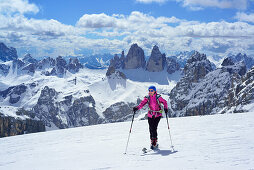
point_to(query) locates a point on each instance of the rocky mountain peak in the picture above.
(196, 56)
(135, 58)
(29, 59)
(172, 65)
(113, 73)
(117, 62)
(7, 54)
(60, 61)
(249, 61)
(122, 55)
(60, 68)
(227, 62)
(74, 65)
(242, 93)
(234, 68)
(46, 63)
(197, 67)
(156, 61)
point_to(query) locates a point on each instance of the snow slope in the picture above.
(201, 142)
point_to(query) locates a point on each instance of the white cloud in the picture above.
(19, 23)
(220, 29)
(241, 16)
(96, 21)
(19, 6)
(99, 32)
(200, 4)
(134, 21)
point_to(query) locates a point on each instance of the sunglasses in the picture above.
(151, 90)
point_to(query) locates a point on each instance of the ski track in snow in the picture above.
(201, 142)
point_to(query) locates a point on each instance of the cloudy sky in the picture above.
(65, 27)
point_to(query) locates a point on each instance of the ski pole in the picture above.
(129, 133)
(169, 133)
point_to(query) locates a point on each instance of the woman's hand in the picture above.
(135, 109)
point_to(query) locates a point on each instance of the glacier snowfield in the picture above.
(223, 141)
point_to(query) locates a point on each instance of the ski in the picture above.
(145, 150)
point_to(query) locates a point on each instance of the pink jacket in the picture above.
(153, 105)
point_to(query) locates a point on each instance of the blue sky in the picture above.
(64, 27)
(69, 12)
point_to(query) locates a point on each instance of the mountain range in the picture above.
(56, 93)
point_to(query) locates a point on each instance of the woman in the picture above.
(154, 101)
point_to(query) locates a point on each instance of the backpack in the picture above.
(157, 99)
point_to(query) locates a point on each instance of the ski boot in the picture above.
(154, 144)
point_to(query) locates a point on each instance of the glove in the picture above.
(166, 110)
(135, 109)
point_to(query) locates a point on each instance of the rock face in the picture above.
(116, 62)
(29, 69)
(7, 54)
(242, 93)
(249, 61)
(60, 67)
(29, 59)
(118, 112)
(232, 67)
(83, 113)
(9, 126)
(197, 67)
(46, 63)
(135, 58)
(115, 78)
(14, 93)
(67, 112)
(113, 73)
(172, 65)
(74, 65)
(47, 66)
(4, 69)
(157, 61)
(206, 92)
(227, 62)
(45, 109)
(17, 65)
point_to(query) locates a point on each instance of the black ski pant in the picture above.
(153, 124)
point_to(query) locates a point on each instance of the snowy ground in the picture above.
(206, 142)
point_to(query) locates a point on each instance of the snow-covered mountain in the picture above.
(241, 95)
(249, 61)
(98, 61)
(62, 103)
(222, 141)
(48, 66)
(7, 53)
(60, 93)
(182, 57)
(204, 90)
(158, 67)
